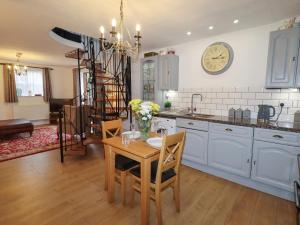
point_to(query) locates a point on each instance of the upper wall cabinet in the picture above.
(283, 58)
(149, 78)
(168, 72)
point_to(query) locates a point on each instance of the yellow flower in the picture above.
(155, 107)
(135, 104)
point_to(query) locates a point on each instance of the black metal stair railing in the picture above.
(106, 97)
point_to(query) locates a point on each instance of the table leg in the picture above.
(106, 160)
(145, 190)
(111, 174)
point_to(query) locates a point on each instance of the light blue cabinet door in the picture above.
(298, 69)
(168, 72)
(275, 164)
(230, 153)
(282, 58)
(195, 149)
(149, 80)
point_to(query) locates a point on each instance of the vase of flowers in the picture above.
(144, 112)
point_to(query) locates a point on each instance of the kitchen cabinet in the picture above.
(283, 57)
(229, 152)
(196, 143)
(195, 149)
(166, 123)
(168, 72)
(275, 164)
(298, 70)
(149, 78)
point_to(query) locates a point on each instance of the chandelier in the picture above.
(117, 40)
(19, 69)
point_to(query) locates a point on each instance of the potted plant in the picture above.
(144, 112)
(168, 105)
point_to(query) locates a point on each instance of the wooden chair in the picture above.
(164, 172)
(122, 164)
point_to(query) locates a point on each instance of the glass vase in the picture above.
(144, 127)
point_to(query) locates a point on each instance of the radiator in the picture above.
(31, 112)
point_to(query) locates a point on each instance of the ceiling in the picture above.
(25, 24)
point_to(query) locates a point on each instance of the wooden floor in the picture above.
(38, 190)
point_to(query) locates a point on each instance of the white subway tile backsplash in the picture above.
(242, 89)
(256, 89)
(281, 96)
(235, 95)
(222, 95)
(254, 102)
(263, 96)
(228, 89)
(271, 102)
(248, 95)
(240, 101)
(211, 95)
(294, 96)
(272, 90)
(228, 101)
(218, 101)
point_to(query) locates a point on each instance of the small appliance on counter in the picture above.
(231, 113)
(264, 113)
(297, 117)
(247, 114)
(239, 114)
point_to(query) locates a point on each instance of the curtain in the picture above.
(10, 91)
(47, 85)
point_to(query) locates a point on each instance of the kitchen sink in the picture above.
(199, 115)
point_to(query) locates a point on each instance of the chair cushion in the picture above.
(123, 163)
(164, 177)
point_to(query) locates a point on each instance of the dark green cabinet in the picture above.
(283, 57)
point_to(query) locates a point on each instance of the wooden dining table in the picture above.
(137, 150)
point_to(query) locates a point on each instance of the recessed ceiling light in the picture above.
(189, 33)
(236, 21)
(211, 27)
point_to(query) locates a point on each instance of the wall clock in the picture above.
(217, 58)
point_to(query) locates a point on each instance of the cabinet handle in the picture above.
(248, 160)
(228, 129)
(277, 136)
(296, 188)
(190, 123)
(294, 59)
(254, 162)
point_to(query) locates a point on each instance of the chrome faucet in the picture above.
(192, 102)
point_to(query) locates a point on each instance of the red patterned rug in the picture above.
(15, 146)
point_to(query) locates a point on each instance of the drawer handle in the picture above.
(277, 136)
(190, 123)
(228, 129)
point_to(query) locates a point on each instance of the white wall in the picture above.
(34, 108)
(248, 68)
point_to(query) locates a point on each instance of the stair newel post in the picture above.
(61, 146)
(80, 97)
(128, 85)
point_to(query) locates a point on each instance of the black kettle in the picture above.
(264, 112)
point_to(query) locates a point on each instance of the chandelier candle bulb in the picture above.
(138, 29)
(114, 23)
(102, 32)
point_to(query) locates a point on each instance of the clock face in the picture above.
(217, 58)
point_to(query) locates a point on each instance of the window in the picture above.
(30, 84)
